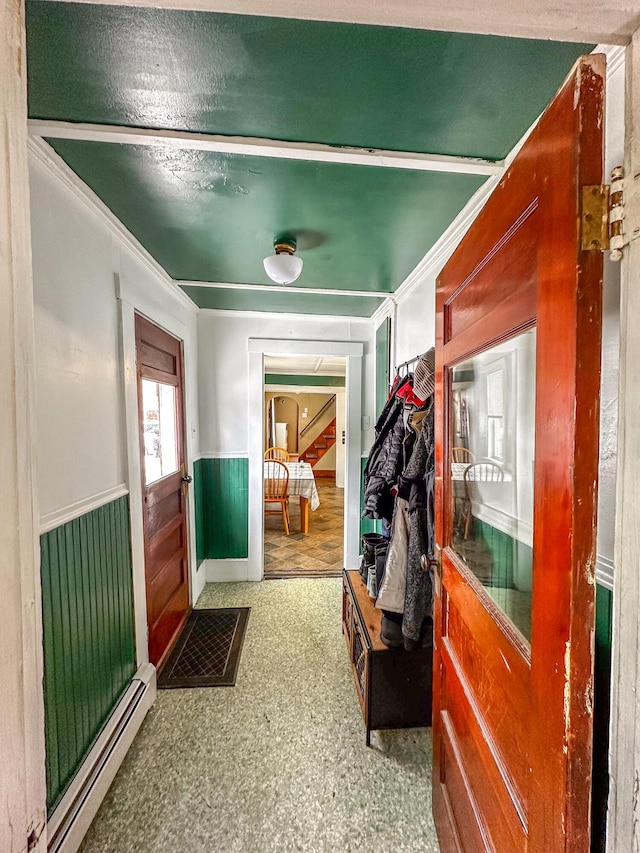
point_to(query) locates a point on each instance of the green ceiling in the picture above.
(212, 217)
(283, 301)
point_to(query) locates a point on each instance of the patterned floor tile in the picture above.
(318, 553)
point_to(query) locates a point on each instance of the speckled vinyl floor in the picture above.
(278, 762)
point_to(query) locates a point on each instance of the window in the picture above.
(495, 414)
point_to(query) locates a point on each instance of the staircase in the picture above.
(320, 445)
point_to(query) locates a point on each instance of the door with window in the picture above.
(164, 484)
(518, 369)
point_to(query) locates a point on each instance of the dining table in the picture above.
(302, 482)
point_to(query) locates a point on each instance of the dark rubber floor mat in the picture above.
(207, 653)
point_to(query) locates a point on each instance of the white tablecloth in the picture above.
(301, 481)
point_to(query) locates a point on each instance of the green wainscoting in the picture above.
(89, 648)
(367, 525)
(509, 554)
(198, 502)
(222, 508)
(601, 715)
(383, 341)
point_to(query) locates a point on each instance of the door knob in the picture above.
(186, 478)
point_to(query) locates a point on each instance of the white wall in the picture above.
(231, 369)
(415, 322)
(79, 388)
(223, 364)
(85, 366)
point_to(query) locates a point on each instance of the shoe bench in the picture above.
(393, 685)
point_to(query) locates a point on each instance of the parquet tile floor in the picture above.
(314, 555)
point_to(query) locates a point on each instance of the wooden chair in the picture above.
(478, 472)
(276, 486)
(278, 453)
(462, 454)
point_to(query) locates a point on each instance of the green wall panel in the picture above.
(89, 654)
(288, 379)
(508, 554)
(224, 508)
(601, 716)
(367, 525)
(198, 500)
(383, 340)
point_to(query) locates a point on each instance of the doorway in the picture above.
(352, 354)
(304, 420)
(164, 484)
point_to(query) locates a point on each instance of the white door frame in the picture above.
(22, 750)
(353, 354)
(623, 830)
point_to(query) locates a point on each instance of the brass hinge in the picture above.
(594, 231)
(605, 208)
(616, 215)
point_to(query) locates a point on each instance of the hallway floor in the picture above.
(277, 763)
(320, 553)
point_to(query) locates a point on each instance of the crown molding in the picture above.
(283, 288)
(383, 311)
(275, 315)
(45, 156)
(315, 152)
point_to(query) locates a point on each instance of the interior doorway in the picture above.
(304, 411)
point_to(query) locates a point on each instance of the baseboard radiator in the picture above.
(73, 815)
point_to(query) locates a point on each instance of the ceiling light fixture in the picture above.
(283, 267)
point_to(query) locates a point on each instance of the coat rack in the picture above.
(406, 365)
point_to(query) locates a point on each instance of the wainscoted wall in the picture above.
(510, 556)
(367, 525)
(221, 511)
(601, 715)
(383, 342)
(198, 505)
(89, 650)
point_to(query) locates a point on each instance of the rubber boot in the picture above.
(391, 629)
(369, 542)
(381, 561)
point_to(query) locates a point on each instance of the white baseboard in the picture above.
(75, 811)
(218, 571)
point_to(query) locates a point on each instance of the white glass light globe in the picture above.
(283, 268)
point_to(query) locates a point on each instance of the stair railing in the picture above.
(317, 416)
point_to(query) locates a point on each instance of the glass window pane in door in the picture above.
(492, 442)
(160, 430)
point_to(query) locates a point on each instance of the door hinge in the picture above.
(603, 215)
(594, 236)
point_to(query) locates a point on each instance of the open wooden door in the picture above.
(164, 485)
(518, 375)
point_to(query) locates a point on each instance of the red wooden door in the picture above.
(164, 484)
(518, 367)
